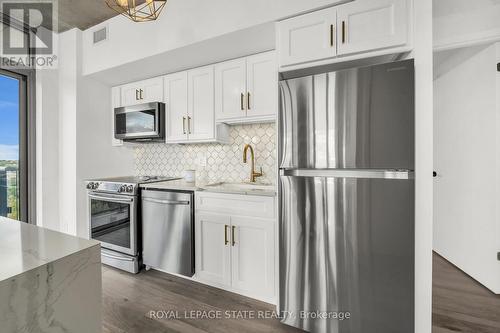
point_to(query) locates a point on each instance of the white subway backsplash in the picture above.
(213, 162)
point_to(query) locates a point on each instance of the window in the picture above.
(13, 146)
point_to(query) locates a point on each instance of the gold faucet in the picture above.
(253, 174)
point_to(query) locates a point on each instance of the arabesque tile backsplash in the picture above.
(224, 162)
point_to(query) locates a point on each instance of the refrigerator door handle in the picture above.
(350, 173)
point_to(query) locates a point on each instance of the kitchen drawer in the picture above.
(236, 204)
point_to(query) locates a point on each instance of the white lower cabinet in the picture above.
(236, 252)
(252, 256)
(213, 258)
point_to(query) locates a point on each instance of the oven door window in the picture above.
(136, 122)
(111, 222)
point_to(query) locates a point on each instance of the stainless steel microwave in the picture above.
(143, 122)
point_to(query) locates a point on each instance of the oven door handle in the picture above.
(111, 199)
(166, 202)
(117, 257)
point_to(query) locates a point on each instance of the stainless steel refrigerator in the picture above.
(346, 147)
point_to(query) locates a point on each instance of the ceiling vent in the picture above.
(100, 35)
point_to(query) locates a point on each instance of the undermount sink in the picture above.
(241, 186)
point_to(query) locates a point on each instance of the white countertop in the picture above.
(24, 247)
(182, 185)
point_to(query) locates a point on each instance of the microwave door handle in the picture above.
(111, 199)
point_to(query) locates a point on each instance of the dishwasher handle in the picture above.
(166, 202)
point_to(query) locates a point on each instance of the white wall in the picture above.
(423, 164)
(73, 140)
(47, 148)
(460, 23)
(68, 80)
(467, 154)
(183, 22)
(96, 158)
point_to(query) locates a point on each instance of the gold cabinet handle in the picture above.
(189, 125)
(248, 100)
(242, 102)
(343, 32)
(184, 125)
(232, 235)
(226, 241)
(332, 39)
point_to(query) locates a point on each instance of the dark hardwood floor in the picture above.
(128, 300)
(460, 304)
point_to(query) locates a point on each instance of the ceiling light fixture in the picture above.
(138, 10)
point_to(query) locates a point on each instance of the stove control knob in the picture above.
(130, 188)
(122, 188)
(90, 186)
(95, 186)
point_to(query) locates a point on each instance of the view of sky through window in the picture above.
(9, 118)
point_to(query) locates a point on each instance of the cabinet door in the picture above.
(253, 270)
(201, 115)
(230, 89)
(308, 37)
(176, 106)
(115, 103)
(374, 24)
(152, 90)
(262, 85)
(146, 91)
(213, 248)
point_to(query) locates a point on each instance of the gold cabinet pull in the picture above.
(242, 101)
(332, 40)
(248, 100)
(189, 125)
(184, 125)
(232, 235)
(343, 32)
(226, 241)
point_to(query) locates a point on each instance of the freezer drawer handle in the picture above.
(349, 173)
(166, 202)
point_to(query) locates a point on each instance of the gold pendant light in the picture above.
(138, 10)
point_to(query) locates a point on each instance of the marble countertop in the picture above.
(24, 247)
(182, 185)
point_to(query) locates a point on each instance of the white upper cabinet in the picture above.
(308, 37)
(230, 89)
(246, 89)
(176, 106)
(146, 91)
(201, 112)
(262, 86)
(115, 103)
(189, 108)
(370, 25)
(357, 29)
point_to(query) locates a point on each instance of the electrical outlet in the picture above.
(201, 160)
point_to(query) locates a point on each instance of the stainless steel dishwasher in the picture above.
(168, 231)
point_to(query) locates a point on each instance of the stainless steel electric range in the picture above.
(114, 219)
